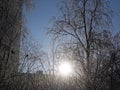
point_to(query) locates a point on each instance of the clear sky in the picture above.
(116, 19)
(37, 20)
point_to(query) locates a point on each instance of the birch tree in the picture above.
(77, 22)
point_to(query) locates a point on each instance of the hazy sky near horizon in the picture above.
(38, 19)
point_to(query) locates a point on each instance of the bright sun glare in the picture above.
(65, 69)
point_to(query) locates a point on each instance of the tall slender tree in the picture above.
(79, 20)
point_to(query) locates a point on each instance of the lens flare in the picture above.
(65, 69)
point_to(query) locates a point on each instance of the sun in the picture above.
(65, 69)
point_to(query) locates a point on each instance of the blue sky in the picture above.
(38, 19)
(116, 19)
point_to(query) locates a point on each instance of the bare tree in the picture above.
(78, 22)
